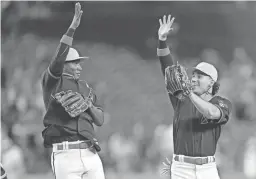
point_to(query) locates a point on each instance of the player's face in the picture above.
(75, 68)
(201, 83)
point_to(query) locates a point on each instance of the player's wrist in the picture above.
(73, 26)
(89, 103)
(190, 94)
(70, 31)
(162, 38)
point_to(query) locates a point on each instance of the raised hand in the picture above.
(165, 27)
(77, 17)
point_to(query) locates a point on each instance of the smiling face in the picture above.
(74, 68)
(201, 83)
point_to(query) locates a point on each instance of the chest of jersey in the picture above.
(187, 117)
(80, 86)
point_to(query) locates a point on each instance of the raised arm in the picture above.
(57, 64)
(163, 51)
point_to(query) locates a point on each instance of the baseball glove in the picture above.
(73, 102)
(177, 81)
(166, 170)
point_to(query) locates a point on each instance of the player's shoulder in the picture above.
(223, 102)
(224, 99)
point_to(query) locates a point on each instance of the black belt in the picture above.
(194, 160)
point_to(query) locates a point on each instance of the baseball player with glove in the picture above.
(199, 114)
(72, 108)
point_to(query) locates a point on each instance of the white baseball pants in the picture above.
(76, 164)
(182, 170)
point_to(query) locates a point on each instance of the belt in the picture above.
(72, 145)
(194, 160)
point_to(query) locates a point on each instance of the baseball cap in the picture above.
(74, 55)
(208, 69)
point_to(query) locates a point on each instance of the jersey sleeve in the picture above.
(48, 80)
(57, 64)
(166, 59)
(225, 107)
(53, 72)
(98, 101)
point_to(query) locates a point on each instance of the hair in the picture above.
(215, 88)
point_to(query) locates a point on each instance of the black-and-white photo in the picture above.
(128, 90)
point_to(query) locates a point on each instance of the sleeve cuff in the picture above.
(163, 52)
(221, 114)
(66, 40)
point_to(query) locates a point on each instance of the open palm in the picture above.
(77, 17)
(165, 26)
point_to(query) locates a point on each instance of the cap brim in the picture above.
(79, 58)
(83, 58)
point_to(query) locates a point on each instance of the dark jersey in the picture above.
(59, 125)
(193, 134)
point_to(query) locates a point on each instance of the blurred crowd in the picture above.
(22, 112)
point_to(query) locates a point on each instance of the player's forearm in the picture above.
(164, 55)
(56, 66)
(97, 115)
(208, 110)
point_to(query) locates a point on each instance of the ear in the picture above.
(211, 83)
(66, 67)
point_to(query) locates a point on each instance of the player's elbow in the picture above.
(99, 122)
(99, 118)
(214, 113)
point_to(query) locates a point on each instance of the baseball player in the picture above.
(71, 110)
(199, 113)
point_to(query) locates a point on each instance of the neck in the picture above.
(67, 73)
(207, 96)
